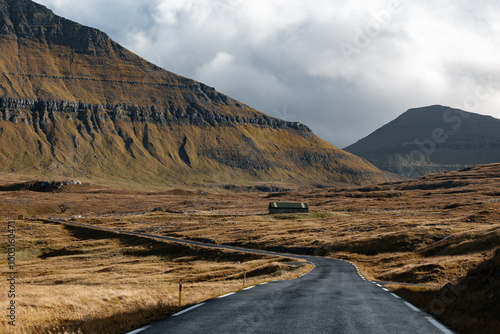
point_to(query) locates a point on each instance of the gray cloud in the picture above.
(342, 67)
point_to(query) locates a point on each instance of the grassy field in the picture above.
(75, 280)
(430, 231)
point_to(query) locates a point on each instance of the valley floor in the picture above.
(431, 231)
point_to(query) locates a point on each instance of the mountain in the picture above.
(432, 139)
(74, 103)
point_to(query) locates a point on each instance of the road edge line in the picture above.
(413, 307)
(187, 310)
(439, 326)
(226, 295)
(138, 330)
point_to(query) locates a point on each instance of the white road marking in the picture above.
(412, 307)
(395, 296)
(303, 275)
(187, 310)
(250, 287)
(359, 272)
(263, 283)
(385, 289)
(138, 330)
(439, 326)
(379, 285)
(227, 294)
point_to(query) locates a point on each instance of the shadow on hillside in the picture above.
(471, 306)
(143, 247)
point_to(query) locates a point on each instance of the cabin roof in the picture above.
(284, 205)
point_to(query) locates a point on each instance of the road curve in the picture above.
(333, 298)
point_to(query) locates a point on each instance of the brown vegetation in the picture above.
(434, 230)
(76, 280)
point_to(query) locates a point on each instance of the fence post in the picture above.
(180, 292)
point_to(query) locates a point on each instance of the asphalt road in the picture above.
(333, 298)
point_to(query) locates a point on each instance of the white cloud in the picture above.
(288, 55)
(225, 72)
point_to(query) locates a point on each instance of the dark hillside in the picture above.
(432, 139)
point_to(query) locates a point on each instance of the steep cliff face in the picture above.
(432, 139)
(47, 57)
(75, 103)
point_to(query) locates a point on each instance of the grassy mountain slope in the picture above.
(75, 103)
(432, 139)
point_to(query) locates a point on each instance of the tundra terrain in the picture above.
(439, 229)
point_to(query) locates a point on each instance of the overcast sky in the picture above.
(342, 67)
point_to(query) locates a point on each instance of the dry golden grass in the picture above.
(433, 230)
(73, 280)
(407, 249)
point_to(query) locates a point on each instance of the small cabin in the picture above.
(281, 207)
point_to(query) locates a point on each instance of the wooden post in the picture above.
(180, 292)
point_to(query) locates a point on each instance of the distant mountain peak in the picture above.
(432, 139)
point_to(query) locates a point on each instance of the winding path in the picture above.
(333, 298)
